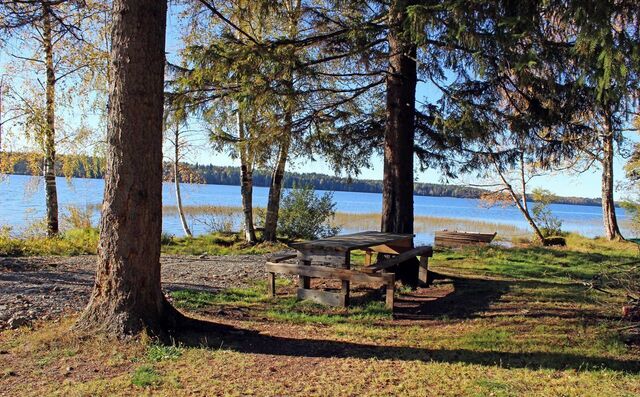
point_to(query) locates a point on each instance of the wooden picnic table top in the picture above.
(348, 242)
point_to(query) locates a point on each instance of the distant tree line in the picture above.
(92, 167)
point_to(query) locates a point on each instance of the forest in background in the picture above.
(92, 167)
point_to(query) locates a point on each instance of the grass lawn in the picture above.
(496, 322)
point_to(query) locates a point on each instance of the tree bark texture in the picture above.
(127, 297)
(49, 172)
(246, 181)
(275, 189)
(397, 185)
(611, 228)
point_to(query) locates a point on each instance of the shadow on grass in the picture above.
(203, 334)
(475, 297)
(469, 297)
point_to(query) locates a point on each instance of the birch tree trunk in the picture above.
(246, 181)
(127, 297)
(397, 185)
(521, 202)
(176, 177)
(49, 145)
(611, 228)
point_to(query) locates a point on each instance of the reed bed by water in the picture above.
(368, 221)
(430, 224)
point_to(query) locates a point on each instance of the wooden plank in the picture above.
(327, 272)
(282, 256)
(423, 272)
(352, 241)
(271, 284)
(391, 289)
(323, 257)
(387, 263)
(323, 297)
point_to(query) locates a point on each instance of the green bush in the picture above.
(633, 209)
(303, 214)
(548, 223)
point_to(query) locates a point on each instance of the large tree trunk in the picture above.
(275, 189)
(127, 297)
(397, 185)
(611, 228)
(49, 144)
(176, 178)
(246, 181)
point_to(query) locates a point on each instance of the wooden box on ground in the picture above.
(454, 239)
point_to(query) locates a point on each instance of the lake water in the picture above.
(22, 203)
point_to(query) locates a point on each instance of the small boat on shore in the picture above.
(456, 238)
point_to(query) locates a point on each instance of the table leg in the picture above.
(367, 257)
(345, 283)
(271, 284)
(391, 289)
(423, 273)
(304, 281)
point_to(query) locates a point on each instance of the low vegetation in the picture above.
(497, 322)
(85, 241)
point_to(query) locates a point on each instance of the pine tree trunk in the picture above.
(275, 189)
(49, 171)
(397, 185)
(127, 297)
(176, 177)
(246, 182)
(611, 228)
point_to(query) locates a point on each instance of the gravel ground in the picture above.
(47, 287)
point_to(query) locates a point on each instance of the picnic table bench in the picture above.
(330, 258)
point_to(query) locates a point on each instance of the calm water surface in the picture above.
(22, 203)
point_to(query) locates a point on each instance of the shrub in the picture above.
(548, 223)
(303, 214)
(633, 209)
(78, 218)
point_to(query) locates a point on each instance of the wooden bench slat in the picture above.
(387, 263)
(327, 272)
(282, 256)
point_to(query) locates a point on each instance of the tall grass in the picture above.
(427, 224)
(371, 221)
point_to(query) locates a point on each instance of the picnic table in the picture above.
(330, 258)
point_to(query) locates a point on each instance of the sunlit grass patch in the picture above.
(69, 243)
(581, 260)
(158, 352)
(217, 244)
(191, 299)
(302, 312)
(145, 376)
(285, 309)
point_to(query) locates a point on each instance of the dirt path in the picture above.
(46, 287)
